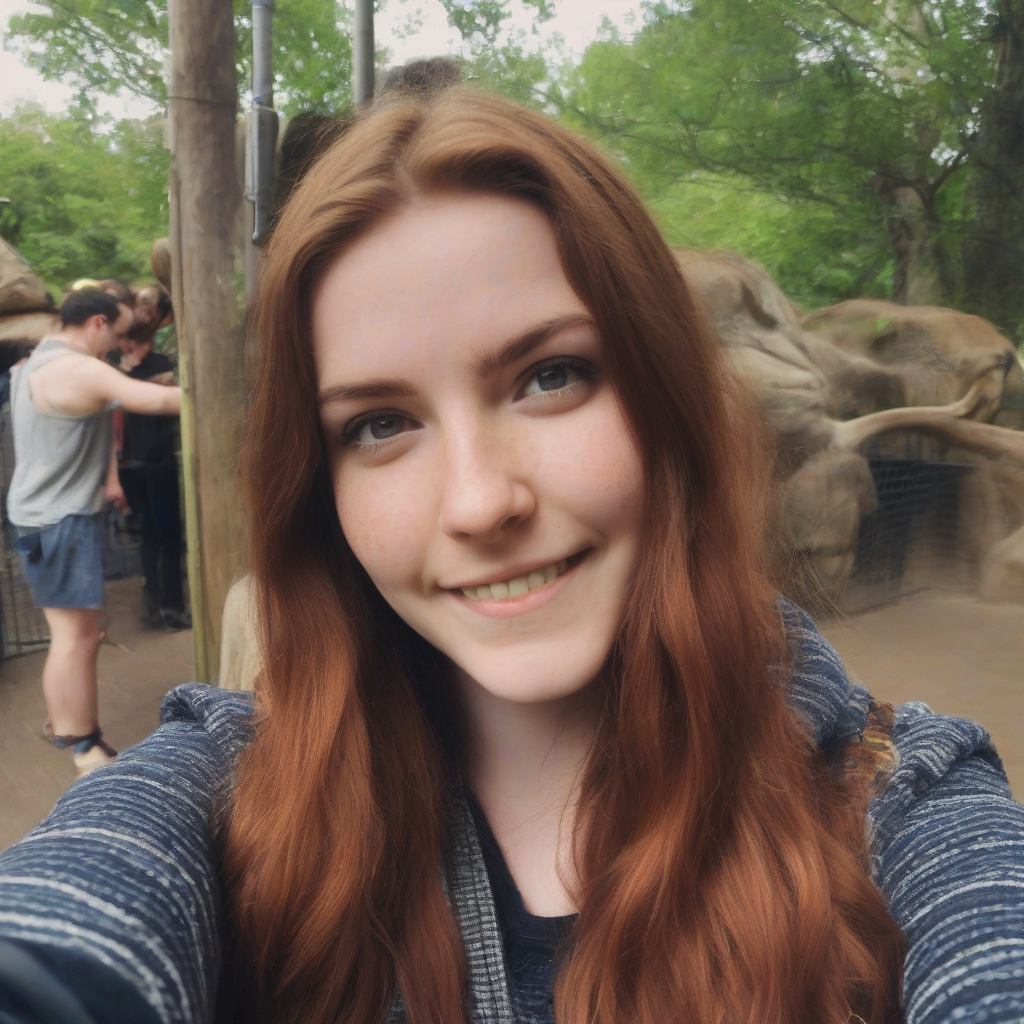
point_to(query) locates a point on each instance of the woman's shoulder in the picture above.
(923, 746)
(945, 837)
(946, 845)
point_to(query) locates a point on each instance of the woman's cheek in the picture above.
(595, 467)
(383, 524)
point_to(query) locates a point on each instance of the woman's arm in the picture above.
(948, 854)
(118, 887)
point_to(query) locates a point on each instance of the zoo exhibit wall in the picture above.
(899, 450)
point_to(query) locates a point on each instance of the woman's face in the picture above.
(484, 473)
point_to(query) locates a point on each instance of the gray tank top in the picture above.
(60, 461)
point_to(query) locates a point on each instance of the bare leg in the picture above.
(69, 675)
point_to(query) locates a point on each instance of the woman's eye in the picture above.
(375, 428)
(558, 377)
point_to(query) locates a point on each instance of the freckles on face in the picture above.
(484, 474)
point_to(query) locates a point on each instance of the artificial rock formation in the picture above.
(863, 375)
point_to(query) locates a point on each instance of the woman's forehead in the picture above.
(448, 278)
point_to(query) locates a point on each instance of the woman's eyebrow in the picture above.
(510, 353)
(382, 388)
(523, 344)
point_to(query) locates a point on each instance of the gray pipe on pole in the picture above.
(264, 118)
(362, 52)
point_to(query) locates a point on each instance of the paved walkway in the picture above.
(960, 656)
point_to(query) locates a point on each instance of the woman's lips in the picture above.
(518, 585)
(520, 593)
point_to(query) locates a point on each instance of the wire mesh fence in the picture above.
(22, 626)
(924, 531)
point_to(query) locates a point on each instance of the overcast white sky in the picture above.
(576, 21)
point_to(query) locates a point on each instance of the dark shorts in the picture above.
(63, 563)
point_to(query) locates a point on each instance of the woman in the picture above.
(533, 740)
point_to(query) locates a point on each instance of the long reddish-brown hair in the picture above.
(719, 853)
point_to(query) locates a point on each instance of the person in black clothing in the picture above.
(149, 469)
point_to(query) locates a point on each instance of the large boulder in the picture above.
(21, 291)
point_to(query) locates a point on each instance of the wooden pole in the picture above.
(205, 208)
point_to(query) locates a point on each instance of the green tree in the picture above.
(104, 47)
(884, 113)
(499, 58)
(87, 196)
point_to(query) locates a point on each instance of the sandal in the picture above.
(90, 752)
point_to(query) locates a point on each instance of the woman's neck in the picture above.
(524, 768)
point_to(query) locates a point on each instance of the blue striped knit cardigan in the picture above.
(116, 892)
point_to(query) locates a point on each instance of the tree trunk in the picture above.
(917, 280)
(993, 255)
(206, 202)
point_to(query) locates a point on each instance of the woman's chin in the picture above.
(524, 681)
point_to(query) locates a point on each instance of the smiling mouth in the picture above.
(519, 585)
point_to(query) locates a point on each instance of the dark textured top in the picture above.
(149, 439)
(531, 943)
(119, 885)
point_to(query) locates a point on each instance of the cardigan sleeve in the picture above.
(116, 891)
(947, 841)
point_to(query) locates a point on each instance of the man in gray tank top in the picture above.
(65, 471)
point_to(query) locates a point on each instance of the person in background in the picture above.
(119, 290)
(10, 356)
(153, 315)
(149, 467)
(64, 473)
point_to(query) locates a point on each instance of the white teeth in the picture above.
(518, 585)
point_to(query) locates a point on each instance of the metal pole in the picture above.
(264, 118)
(362, 52)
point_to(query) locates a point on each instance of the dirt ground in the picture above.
(133, 677)
(956, 654)
(960, 656)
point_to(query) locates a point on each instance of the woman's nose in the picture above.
(484, 494)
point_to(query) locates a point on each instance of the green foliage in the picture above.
(87, 197)
(104, 46)
(510, 69)
(802, 96)
(97, 45)
(785, 129)
(482, 21)
(817, 258)
(312, 55)
(834, 103)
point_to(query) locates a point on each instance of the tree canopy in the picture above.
(104, 47)
(854, 146)
(887, 114)
(87, 197)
